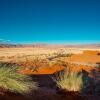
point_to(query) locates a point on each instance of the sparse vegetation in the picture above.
(81, 75)
(12, 81)
(59, 54)
(98, 64)
(34, 64)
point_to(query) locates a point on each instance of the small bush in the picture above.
(11, 80)
(33, 64)
(98, 64)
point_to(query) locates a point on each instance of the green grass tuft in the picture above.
(13, 81)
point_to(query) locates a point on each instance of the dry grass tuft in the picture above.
(71, 82)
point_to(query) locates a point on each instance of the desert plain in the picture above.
(43, 64)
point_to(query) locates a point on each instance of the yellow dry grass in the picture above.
(20, 54)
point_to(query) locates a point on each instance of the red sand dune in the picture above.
(87, 57)
(45, 70)
(88, 52)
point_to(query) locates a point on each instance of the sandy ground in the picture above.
(82, 59)
(13, 54)
(10, 54)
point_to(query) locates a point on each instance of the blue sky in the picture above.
(50, 21)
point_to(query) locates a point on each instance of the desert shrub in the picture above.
(70, 81)
(2, 57)
(58, 55)
(13, 81)
(34, 64)
(98, 64)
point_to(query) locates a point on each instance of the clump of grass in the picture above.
(70, 82)
(13, 81)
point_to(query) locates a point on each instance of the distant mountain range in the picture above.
(50, 45)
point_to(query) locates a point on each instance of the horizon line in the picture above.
(60, 42)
